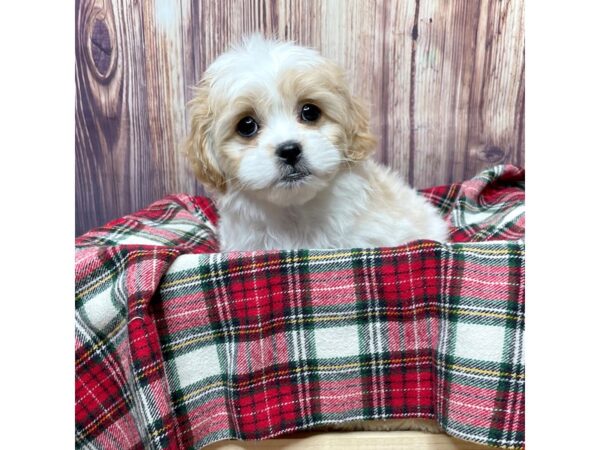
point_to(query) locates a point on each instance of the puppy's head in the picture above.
(274, 120)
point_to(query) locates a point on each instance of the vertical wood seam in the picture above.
(411, 114)
(384, 97)
(183, 66)
(519, 118)
(471, 94)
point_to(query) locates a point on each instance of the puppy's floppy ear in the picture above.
(361, 143)
(352, 113)
(199, 145)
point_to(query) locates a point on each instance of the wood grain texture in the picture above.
(354, 440)
(444, 81)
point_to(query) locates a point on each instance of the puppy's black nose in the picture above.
(289, 152)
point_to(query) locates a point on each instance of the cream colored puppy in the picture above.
(283, 145)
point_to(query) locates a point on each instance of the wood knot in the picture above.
(100, 48)
(415, 32)
(491, 154)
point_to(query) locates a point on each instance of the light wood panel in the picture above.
(355, 440)
(444, 80)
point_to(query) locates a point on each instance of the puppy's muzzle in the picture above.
(289, 152)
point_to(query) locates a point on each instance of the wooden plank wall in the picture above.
(444, 80)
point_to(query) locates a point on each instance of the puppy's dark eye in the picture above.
(247, 127)
(310, 112)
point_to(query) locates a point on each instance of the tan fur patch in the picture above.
(199, 145)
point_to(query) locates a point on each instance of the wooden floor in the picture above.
(354, 440)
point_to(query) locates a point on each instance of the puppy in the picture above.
(283, 145)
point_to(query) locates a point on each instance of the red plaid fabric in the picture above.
(178, 346)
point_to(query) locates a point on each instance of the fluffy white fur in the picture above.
(362, 206)
(346, 200)
(343, 199)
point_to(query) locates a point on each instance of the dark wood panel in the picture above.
(444, 81)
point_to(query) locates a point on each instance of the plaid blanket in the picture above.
(178, 346)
